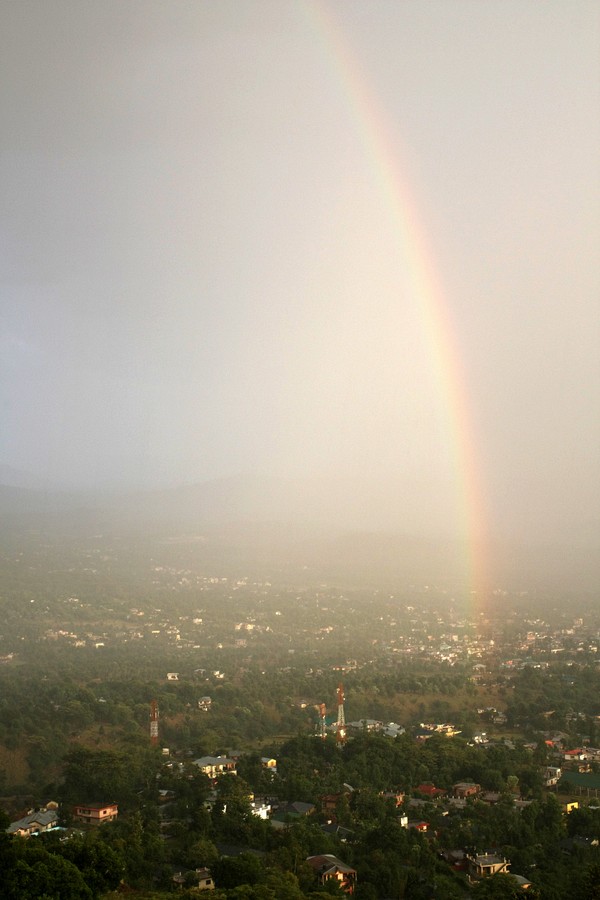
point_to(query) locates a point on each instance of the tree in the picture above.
(101, 866)
(500, 887)
(369, 806)
(32, 873)
(584, 822)
(284, 885)
(202, 853)
(231, 871)
(365, 891)
(590, 883)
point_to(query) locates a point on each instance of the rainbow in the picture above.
(374, 134)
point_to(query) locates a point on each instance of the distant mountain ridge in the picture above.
(349, 529)
(19, 478)
(312, 503)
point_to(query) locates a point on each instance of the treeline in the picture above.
(544, 700)
(54, 702)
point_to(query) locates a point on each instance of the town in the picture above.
(240, 731)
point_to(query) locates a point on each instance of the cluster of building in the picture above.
(46, 818)
(204, 611)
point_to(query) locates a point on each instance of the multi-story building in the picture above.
(95, 813)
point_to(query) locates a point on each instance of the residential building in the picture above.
(213, 766)
(522, 882)
(260, 808)
(290, 812)
(328, 867)
(338, 831)
(464, 789)
(195, 880)
(552, 775)
(95, 813)
(576, 755)
(430, 790)
(397, 797)
(34, 823)
(481, 865)
(369, 725)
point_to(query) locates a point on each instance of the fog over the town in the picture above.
(352, 242)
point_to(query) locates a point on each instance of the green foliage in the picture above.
(30, 872)
(584, 822)
(101, 865)
(78, 717)
(229, 872)
(590, 883)
(500, 887)
(108, 776)
(201, 852)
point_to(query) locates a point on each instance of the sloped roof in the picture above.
(338, 830)
(521, 880)
(581, 779)
(298, 807)
(325, 863)
(97, 804)
(214, 761)
(44, 819)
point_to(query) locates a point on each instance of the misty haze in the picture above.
(299, 457)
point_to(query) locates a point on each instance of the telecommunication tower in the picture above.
(340, 729)
(154, 723)
(322, 714)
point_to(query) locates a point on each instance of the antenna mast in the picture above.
(154, 723)
(340, 729)
(322, 714)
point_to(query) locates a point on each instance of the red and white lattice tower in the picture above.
(154, 723)
(340, 728)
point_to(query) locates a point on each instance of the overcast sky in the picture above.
(202, 270)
